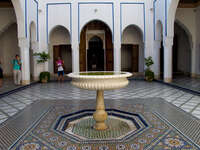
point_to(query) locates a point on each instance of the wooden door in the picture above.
(56, 54)
(109, 51)
(82, 52)
(64, 50)
(135, 58)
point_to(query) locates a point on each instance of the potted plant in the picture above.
(149, 74)
(44, 77)
(41, 59)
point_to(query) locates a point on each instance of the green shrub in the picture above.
(149, 74)
(45, 76)
(43, 57)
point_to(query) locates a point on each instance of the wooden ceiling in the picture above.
(6, 4)
(189, 3)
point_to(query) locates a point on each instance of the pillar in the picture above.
(156, 58)
(117, 38)
(75, 56)
(25, 59)
(168, 59)
(194, 61)
(36, 66)
(75, 35)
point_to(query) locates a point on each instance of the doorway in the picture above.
(64, 52)
(131, 55)
(95, 54)
(98, 54)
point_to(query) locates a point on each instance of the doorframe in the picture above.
(101, 34)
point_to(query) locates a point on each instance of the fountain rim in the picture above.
(120, 74)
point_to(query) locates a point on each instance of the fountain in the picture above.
(100, 81)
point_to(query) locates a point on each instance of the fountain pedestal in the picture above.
(100, 114)
(100, 81)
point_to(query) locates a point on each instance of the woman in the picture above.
(60, 64)
(1, 75)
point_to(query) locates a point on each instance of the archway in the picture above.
(9, 48)
(181, 51)
(60, 46)
(95, 54)
(8, 37)
(102, 34)
(159, 51)
(33, 40)
(132, 50)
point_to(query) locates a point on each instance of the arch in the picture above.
(159, 31)
(171, 17)
(96, 37)
(33, 39)
(60, 46)
(9, 48)
(101, 29)
(19, 12)
(58, 27)
(33, 32)
(98, 20)
(133, 26)
(181, 25)
(132, 49)
(181, 50)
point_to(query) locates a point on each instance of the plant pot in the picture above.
(149, 79)
(44, 80)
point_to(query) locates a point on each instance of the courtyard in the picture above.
(24, 107)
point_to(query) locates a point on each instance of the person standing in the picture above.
(60, 64)
(1, 75)
(17, 70)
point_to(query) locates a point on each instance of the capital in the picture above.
(34, 45)
(169, 41)
(23, 42)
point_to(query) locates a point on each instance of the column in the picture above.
(168, 43)
(117, 37)
(75, 56)
(36, 66)
(156, 58)
(75, 39)
(25, 59)
(194, 61)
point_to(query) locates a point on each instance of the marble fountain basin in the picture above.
(100, 81)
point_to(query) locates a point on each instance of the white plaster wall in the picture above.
(9, 48)
(132, 35)
(31, 15)
(159, 9)
(89, 12)
(127, 11)
(20, 15)
(56, 10)
(59, 36)
(92, 10)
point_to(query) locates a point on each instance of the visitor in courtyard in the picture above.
(1, 75)
(60, 65)
(17, 70)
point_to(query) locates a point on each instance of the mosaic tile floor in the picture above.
(8, 85)
(187, 82)
(164, 127)
(13, 103)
